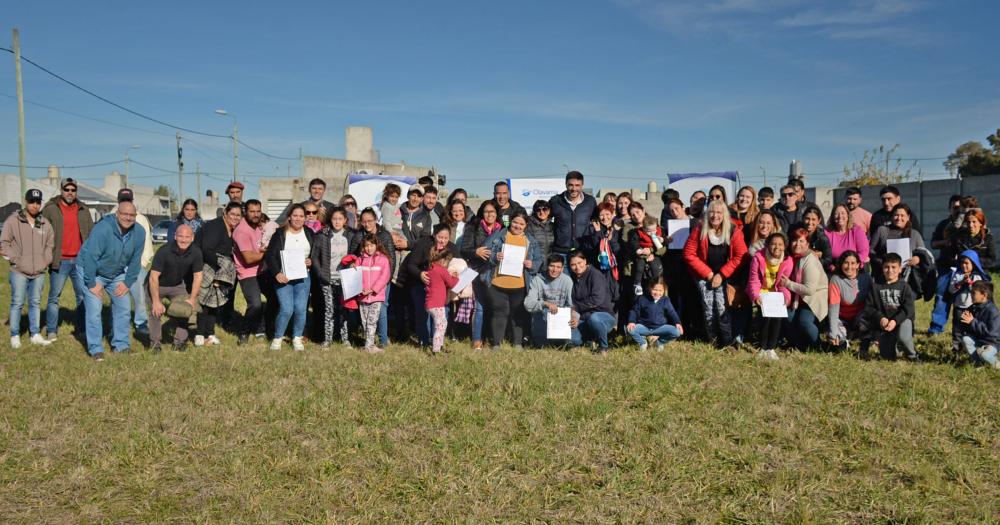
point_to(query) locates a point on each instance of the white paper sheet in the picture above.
(350, 282)
(901, 247)
(557, 324)
(465, 279)
(773, 305)
(513, 260)
(293, 264)
(678, 230)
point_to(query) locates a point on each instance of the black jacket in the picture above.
(893, 301)
(503, 216)
(570, 224)
(419, 260)
(591, 294)
(543, 233)
(384, 237)
(418, 224)
(320, 252)
(273, 254)
(819, 242)
(471, 240)
(786, 218)
(984, 246)
(214, 240)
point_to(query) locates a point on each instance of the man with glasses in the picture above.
(789, 211)
(859, 215)
(889, 195)
(72, 223)
(109, 262)
(138, 290)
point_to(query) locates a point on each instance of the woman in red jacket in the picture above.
(713, 252)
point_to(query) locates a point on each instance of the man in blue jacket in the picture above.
(572, 211)
(110, 260)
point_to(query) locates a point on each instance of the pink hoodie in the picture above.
(758, 276)
(375, 276)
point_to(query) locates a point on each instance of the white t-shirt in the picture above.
(297, 241)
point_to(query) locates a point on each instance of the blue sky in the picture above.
(623, 90)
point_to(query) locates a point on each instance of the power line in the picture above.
(87, 117)
(109, 163)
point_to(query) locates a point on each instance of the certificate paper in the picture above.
(350, 282)
(901, 247)
(557, 324)
(513, 260)
(678, 230)
(293, 264)
(773, 305)
(465, 279)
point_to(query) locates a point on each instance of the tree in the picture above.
(162, 190)
(972, 159)
(877, 167)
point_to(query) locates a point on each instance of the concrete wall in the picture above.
(359, 144)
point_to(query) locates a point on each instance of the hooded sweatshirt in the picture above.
(544, 289)
(985, 326)
(28, 246)
(960, 285)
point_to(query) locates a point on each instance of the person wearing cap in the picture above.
(416, 217)
(235, 193)
(174, 265)
(540, 227)
(27, 241)
(109, 260)
(138, 291)
(71, 223)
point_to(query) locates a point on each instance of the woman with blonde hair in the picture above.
(746, 209)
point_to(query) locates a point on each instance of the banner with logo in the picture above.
(527, 191)
(688, 183)
(367, 188)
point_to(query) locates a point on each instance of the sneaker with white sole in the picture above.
(15, 341)
(212, 340)
(51, 338)
(297, 344)
(772, 355)
(276, 344)
(37, 339)
(199, 340)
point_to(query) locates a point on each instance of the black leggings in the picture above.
(770, 332)
(506, 306)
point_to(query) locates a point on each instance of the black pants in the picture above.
(506, 309)
(314, 321)
(770, 332)
(254, 320)
(206, 320)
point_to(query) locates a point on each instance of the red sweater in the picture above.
(71, 240)
(696, 253)
(437, 289)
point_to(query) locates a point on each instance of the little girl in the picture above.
(375, 275)
(437, 295)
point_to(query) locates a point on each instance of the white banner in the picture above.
(527, 191)
(367, 189)
(688, 183)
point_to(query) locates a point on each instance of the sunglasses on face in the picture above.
(312, 212)
(69, 191)
(350, 204)
(787, 194)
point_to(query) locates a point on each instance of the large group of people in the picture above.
(763, 270)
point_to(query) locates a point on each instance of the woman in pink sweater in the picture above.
(845, 236)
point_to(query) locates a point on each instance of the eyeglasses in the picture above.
(312, 212)
(69, 191)
(351, 204)
(716, 197)
(787, 194)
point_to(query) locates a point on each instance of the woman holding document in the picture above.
(515, 259)
(767, 268)
(888, 239)
(288, 260)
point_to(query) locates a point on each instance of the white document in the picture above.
(901, 247)
(293, 264)
(773, 305)
(350, 282)
(678, 231)
(557, 324)
(465, 279)
(513, 260)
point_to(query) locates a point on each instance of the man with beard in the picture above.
(72, 223)
(174, 265)
(859, 215)
(249, 249)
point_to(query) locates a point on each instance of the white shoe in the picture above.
(276, 344)
(15, 341)
(199, 340)
(297, 344)
(37, 339)
(212, 340)
(772, 355)
(51, 337)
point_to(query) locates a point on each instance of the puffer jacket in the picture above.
(29, 247)
(375, 275)
(321, 263)
(543, 233)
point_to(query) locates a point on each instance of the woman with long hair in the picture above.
(812, 221)
(293, 294)
(765, 224)
(767, 267)
(477, 254)
(808, 284)
(901, 228)
(457, 220)
(846, 236)
(415, 268)
(715, 250)
(622, 203)
(505, 293)
(187, 216)
(848, 291)
(602, 244)
(332, 245)
(746, 209)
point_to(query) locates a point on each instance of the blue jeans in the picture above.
(119, 315)
(293, 301)
(479, 289)
(57, 281)
(539, 327)
(383, 318)
(138, 291)
(803, 328)
(596, 327)
(939, 315)
(21, 287)
(987, 357)
(666, 333)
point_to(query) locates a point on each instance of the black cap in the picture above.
(125, 194)
(33, 195)
(68, 182)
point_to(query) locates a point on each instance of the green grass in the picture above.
(688, 435)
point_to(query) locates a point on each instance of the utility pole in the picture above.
(22, 163)
(180, 169)
(197, 173)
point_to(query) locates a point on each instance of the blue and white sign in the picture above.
(367, 188)
(688, 183)
(527, 191)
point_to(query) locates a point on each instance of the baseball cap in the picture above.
(125, 194)
(235, 184)
(415, 188)
(68, 182)
(33, 195)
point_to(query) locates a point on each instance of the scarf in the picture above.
(490, 229)
(606, 258)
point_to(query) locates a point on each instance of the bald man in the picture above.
(174, 265)
(109, 262)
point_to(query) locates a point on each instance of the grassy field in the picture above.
(246, 435)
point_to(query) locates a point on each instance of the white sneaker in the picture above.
(51, 337)
(199, 340)
(276, 344)
(772, 355)
(37, 339)
(15, 341)
(212, 340)
(297, 344)
(638, 290)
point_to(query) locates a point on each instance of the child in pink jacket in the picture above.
(375, 275)
(766, 269)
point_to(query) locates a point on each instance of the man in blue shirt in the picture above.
(110, 261)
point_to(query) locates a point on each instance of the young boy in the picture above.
(547, 292)
(982, 326)
(969, 271)
(654, 315)
(648, 247)
(889, 313)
